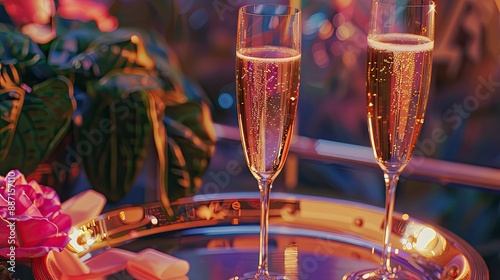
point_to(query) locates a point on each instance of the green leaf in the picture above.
(43, 121)
(190, 146)
(11, 102)
(116, 131)
(35, 104)
(25, 55)
(66, 47)
(91, 54)
(130, 84)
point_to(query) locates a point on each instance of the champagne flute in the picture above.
(268, 52)
(400, 45)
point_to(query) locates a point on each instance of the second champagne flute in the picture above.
(400, 45)
(268, 53)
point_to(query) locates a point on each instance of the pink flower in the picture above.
(31, 222)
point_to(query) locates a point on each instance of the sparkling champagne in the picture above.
(267, 81)
(398, 78)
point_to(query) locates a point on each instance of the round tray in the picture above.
(310, 237)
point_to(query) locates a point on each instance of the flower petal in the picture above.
(24, 205)
(36, 232)
(62, 221)
(37, 220)
(4, 234)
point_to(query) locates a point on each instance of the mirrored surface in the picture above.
(311, 238)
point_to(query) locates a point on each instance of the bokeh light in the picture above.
(349, 58)
(313, 23)
(337, 48)
(342, 33)
(320, 55)
(326, 30)
(338, 19)
(225, 100)
(342, 4)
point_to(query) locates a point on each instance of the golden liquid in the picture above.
(398, 78)
(267, 94)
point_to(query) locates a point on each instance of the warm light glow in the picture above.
(44, 12)
(405, 217)
(122, 215)
(425, 239)
(433, 8)
(345, 31)
(343, 3)
(291, 257)
(39, 33)
(108, 24)
(73, 242)
(203, 212)
(86, 10)
(142, 57)
(42, 17)
(326, 30)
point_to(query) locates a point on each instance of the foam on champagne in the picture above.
(251, 54)
(391, 42)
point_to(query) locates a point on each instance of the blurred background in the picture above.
(463, 109)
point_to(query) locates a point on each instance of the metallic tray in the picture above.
(310, 237)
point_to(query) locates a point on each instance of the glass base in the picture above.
(253, 276)
(370, 274)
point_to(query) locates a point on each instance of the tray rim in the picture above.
(477, 265)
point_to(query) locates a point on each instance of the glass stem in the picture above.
(265, 189)
(391, 181)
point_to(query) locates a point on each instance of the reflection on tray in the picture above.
(301, 226)
(119, 226)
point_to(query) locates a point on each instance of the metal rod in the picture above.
(423, 168)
